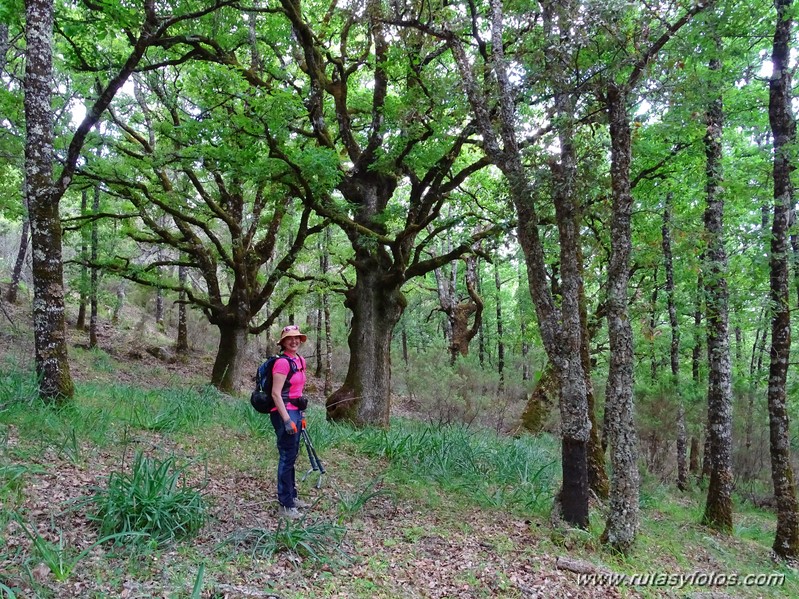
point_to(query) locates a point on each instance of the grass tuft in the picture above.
(349, 504)
(150, 499)
(319, 540)
(59, 557)
(17, 387)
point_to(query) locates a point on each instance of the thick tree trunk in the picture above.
(560, 330)
(718, 509)
(597, 476)
(376, 304)
(234, 332)
(230, 355)
(52, 363)
(783, 126)
(622, 522)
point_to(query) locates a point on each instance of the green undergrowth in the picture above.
(163, 447)
(672, 541)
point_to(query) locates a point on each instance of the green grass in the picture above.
(386, 495)
(671, 540)
(351, 503)
(319, 540)
(151, 499)
(17, 387)
(492, 471)
(59, 557)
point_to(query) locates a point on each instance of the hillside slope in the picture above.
(417, 511)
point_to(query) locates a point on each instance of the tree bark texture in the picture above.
(561, 334)
(597, 476)
(718, 509)
(376, 306)
(783, 127)
(52, 364)
(230, 355)
(44, 194)
(622, 522)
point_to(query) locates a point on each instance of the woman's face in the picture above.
(291, 343)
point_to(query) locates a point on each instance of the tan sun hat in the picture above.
(291, 330)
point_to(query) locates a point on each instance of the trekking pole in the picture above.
(316, 463)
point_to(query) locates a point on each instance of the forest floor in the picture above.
(409, 537)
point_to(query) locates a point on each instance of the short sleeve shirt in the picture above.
(297, 381)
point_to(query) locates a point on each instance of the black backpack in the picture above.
(261, 398)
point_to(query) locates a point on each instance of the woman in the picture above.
(288, 381)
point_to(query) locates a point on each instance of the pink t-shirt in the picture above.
(281, 366)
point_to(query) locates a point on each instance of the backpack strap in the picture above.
(260, 375)
(270, 363)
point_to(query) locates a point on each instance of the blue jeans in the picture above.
(288, 446)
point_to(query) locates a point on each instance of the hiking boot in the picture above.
(292, 513)
(301, 504)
